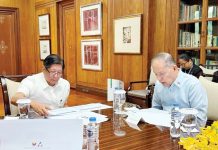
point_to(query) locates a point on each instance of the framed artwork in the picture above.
(127, 34)
(44, 48)
(44, 25)
(91, 54)
(91, 19)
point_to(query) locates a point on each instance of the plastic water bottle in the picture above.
(175, 122)
(84, 138)
(92, 134)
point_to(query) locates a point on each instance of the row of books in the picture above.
(188, 39)
(212, 41)
(211, 62)
(189, 12)
(212, 11)
(208, 62)
(212, 29)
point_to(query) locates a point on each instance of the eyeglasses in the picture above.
(183, 64)
(161, 75)
(53, 73)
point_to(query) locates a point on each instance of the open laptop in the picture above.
(41, 134)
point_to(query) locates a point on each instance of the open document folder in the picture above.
(151, 116)
(41, 134)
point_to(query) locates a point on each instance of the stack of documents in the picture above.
(80, 112)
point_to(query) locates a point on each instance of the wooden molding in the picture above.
(91, 90)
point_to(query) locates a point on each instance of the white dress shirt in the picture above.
(36, 88)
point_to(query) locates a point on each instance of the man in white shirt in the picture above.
(46, 90)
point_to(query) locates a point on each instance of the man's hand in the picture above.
(40, 108)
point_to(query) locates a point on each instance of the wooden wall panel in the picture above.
(157, 26)
(170, 29)
(162, 27)
(128, 67)
(91, 78)
(46, 7)
(157, 22)
(26, 35)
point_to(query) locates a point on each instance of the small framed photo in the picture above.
(127, 34)
(44, 25)
(44, 48)
(91, 19)
(91, 54)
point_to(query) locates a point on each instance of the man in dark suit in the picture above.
(188, 66)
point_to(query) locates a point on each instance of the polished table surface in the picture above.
(150, 137)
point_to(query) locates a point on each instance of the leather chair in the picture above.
(211, 88)
(9, 85)
(141, 97)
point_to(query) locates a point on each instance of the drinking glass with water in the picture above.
(189, 121)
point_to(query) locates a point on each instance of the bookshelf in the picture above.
(197, 30)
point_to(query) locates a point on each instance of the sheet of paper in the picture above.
(134, 116)
(132, 125)
(90, 107)
(156, 117)
(10, 118)
(84, 115)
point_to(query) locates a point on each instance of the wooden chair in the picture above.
(142, 97)
(9, 85)
(211, 88)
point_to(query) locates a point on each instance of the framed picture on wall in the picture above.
(44, 48)
(127, 34)
(91, 19)
(44, 25)
(91, 51)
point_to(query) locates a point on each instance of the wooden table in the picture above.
(149, 138)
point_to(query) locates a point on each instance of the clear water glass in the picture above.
(119, 100)
(189, 120)
(23, 108)
(118, 123)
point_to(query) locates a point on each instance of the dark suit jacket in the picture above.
(195, 71)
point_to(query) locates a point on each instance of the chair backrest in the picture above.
(211, 88)
(208, 72)
(9, 85)
(152, 78)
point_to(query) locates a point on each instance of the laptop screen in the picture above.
(41, 134)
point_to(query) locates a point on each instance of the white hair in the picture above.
(166, 57)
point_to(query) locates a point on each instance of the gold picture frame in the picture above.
(91, 19)
(127, 34)
(91, 51)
